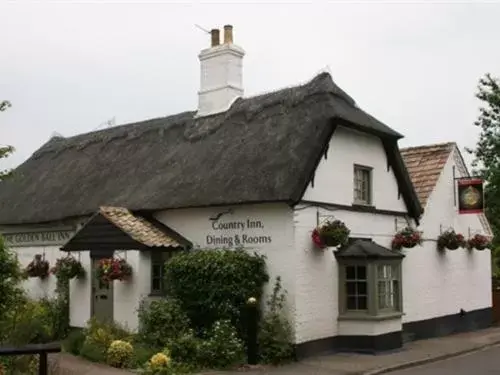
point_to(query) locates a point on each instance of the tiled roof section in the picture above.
(424, 164)
(137, 227)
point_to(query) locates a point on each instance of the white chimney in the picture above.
(221, 81)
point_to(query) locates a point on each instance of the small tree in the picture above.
(11, 276)
(5, 151)
(487, 151)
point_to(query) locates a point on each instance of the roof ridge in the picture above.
(441, 144)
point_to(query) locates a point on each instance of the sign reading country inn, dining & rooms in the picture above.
(238, 233)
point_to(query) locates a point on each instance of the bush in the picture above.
(11, 292)
(74, 342)
(222, 348)
(159, 364)
(161, 321)
(275, 334)
(98, 338)
(119, 354)
(93, 352)
(142, 354)
(30, 322)
(215, 284)
(185, 348)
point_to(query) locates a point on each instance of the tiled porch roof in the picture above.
(137, 227)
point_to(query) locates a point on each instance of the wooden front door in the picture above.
(102, 296)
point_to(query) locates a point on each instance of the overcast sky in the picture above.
(68, 67)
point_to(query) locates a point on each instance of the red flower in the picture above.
(316, 238)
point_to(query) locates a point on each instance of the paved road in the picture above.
(485, 362)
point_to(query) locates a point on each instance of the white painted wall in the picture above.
(317, 272)
(437, 285)
(80, 292)
(35, 287)
(128, 294)
(317, 286)
(276, 236)
(334, 177)
(369, 328)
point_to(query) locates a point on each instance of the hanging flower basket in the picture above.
(478, 242)
(450, 240)
(38, 267)
(68, 268)
(331, 233)
(407, 237)
(110, 269)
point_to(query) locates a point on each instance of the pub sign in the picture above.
(470, 195)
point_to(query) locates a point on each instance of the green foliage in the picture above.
(142, 354)
(93, 352)
(67, 268)
(10, 278)
(119, 354)
(74, 342)
(214, 284)
(487, 151)
(5, 151)
(185, 348)
(275, 334)
(222, 348)
(98, 338)
(160, 321)
(31, 322)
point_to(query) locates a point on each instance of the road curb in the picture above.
(424, 361)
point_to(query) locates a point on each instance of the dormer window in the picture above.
(362, 185)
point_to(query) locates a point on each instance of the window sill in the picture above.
(366, 317)
(365, 207)
(156, 294)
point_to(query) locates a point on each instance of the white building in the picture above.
(261, 172)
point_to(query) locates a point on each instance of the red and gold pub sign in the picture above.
(470, 195)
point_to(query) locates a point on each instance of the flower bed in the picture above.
(331, 233)
(450, 240)
(408, 238)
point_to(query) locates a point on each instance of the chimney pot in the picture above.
(215, 33)
(228, 34)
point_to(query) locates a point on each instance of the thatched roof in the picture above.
(264, 149)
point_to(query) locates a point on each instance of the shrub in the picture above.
(93, 352)
(185, 348)
(222, 348)
(159, 364)
(74, 342)
(214, 284)
(11, 293)
(142, 354)
(160, 321)
(30, 322)
(98, 337)
(275, 334)
(119, 353)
